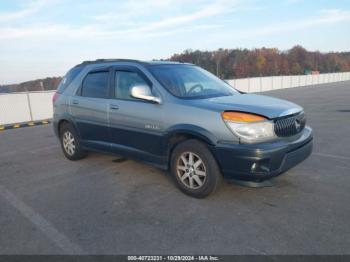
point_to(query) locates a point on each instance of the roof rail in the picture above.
(128, 60)
(109, 60)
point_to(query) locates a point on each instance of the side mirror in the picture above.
(144, 92)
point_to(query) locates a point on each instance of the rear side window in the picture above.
(68, 78)
(95, 85)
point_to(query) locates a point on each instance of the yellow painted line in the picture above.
(16, 126)
(31, 124)
(44, 122)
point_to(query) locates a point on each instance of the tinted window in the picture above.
(124, 81)
(68, 78)
(95, 85)
(187, 81)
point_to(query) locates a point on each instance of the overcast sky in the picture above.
(40, 38)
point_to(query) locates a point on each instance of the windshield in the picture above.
(188, 81)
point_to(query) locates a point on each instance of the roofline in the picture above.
(165, 62)
(109, 60)
(126, 60)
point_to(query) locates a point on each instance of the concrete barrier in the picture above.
(25, 107)
(260, 84)
(14, 108)
(40, 104)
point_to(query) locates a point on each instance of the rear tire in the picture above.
(194, 169)
(70, 143)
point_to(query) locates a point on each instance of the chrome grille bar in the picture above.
(290, 126)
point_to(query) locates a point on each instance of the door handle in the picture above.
(75, 102)
(115, 107)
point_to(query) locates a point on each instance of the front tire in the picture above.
(194, 169)
(70, 143)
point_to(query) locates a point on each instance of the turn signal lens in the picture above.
(241, 117)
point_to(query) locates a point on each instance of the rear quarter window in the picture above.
(68, 78)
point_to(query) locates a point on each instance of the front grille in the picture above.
(290, 126)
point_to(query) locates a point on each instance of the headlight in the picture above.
(250, 128)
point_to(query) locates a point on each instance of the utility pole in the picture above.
(42, 85)
(217, 67)
(217, 57)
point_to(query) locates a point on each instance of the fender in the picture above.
(193, 130)
(187, 129)
(66, 117)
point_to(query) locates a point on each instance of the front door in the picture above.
(135, 125)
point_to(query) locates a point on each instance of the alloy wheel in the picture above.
(191, 170)
(68, 143)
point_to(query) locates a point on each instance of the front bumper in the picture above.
(262, 161)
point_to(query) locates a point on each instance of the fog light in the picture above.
(254, 165)
(260, 166)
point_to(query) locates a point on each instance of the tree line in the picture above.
(49, 83)
(236, 63)
(241, 63)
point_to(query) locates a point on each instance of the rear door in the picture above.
(135, 125)
(89, 108)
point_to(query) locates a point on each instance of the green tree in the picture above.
(260, 62)
(296, 69)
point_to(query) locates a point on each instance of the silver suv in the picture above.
(180, 118)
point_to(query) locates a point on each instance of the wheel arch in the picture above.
(65, 119)
(180, 133)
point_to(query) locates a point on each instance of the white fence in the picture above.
(260, 84)
(25, 107)
(34, 106)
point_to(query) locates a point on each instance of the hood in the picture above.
(258, 104)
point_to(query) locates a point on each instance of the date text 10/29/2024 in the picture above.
(173, 258)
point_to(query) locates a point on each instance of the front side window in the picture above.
(188, 81)
(95, 85)
(124, 81)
